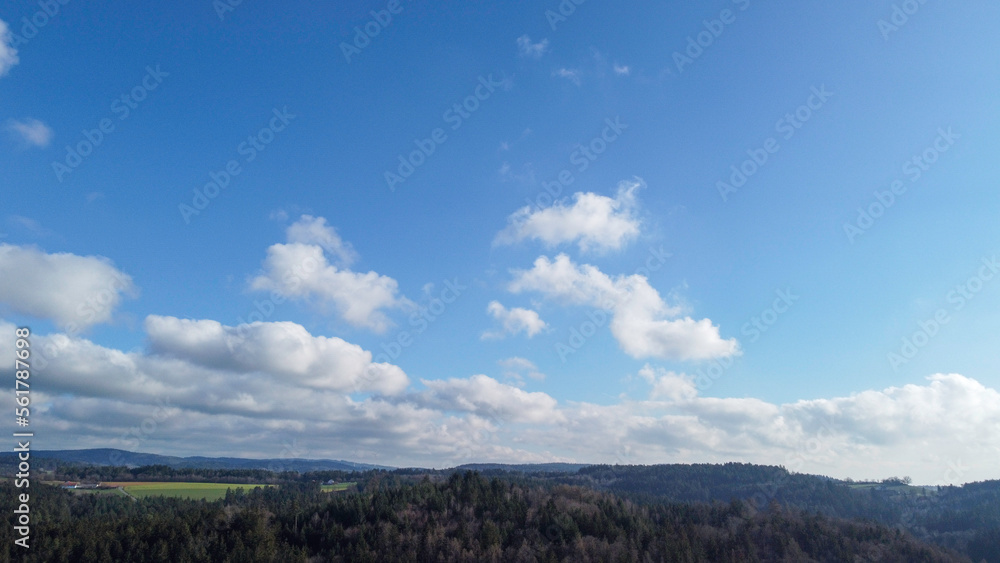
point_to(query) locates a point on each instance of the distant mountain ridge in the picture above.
(111, 456)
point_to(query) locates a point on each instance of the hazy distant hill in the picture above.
(109, 456)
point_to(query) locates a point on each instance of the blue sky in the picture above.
(834, 102)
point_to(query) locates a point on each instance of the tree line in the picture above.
(456, 517)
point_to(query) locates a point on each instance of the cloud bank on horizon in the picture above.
(629, 234)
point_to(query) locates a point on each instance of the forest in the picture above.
(656, 513)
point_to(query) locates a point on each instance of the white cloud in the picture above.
(594, 222)
(569, 74)
(283, 349)
(208, 389)
(526, 48)
(488, 398)
(8, 54)
(667, 385)
(73, 291)
(641, 321)
(314, 230)
(31, 132)
(299, 270)
(517, 362)
(946, 431)
(622, 70)
(516, 368)
(514, 321)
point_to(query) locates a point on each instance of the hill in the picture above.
(110, 456)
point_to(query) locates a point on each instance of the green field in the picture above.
(337, 487)
(205, 491)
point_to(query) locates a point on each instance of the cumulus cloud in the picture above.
(299, 270)
(526, 48)
(594, 222)
(486, 397)
(206, 389)
(31, 132)
(644, 325)
(283, 349)
(668, 385)
(311, 230)
(8, 54)
(75, 292)
(944, 431)
(514, 321)
(222, 385)
(622, 70)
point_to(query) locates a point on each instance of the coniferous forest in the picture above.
(415, 515)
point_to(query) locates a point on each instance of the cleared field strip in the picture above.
(204, 491)
(336, 487)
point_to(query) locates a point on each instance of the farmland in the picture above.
(337, 487)
(205, 491)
